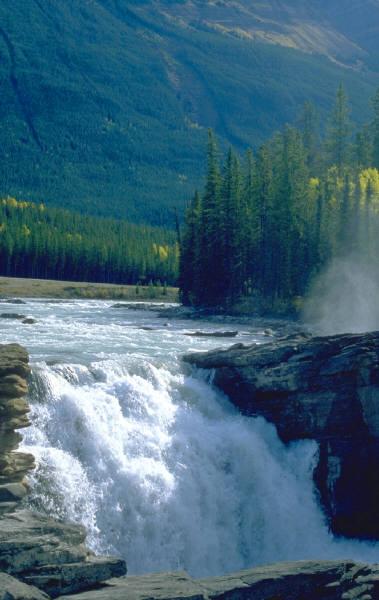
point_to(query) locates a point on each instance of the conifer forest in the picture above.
(52, 243)
(264, 226)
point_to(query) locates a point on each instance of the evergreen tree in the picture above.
(266, 234)
(339, 131)
(190, 261)
(363, 148)
(309, 127)
(375, 127)
(210, 283)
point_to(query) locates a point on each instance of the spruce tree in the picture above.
(189, 263)
(375, 127)
(339, 131)
(309, 127)
(209, 273)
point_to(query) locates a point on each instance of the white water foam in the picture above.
(163, 471)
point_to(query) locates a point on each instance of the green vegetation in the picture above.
(105, 104)
(259, 233)
(41, 242)
(16, 287)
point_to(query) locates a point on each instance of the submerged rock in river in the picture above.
(216, 334)
(326, 389)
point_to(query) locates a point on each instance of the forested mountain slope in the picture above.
(104, 104)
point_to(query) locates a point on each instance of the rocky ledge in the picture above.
(337, 580)
(322, 388)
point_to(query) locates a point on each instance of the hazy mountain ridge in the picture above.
(344, 31)
(105, 104)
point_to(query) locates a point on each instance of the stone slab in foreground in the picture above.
(325, 580)
(51, 555)
(12, 589)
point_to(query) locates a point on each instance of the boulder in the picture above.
(51, 555)
(324, 580)
(12, 300)
(216, 334)
(12, 589)
(322, 388)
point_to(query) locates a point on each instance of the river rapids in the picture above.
(157, 464)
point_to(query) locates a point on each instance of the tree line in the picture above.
(53, 243)
(264, 227)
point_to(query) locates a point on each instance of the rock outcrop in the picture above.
(13, 589)
(326, 389)
(334, 580)
(37, 550)
(14, 370)
(51, 555)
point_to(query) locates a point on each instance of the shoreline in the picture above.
(16, 287)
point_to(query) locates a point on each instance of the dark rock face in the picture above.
(325, 580)
(326, 389)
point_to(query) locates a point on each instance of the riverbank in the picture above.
(15, 287)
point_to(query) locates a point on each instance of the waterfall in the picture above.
(162, 470)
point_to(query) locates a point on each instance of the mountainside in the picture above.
(104, 104)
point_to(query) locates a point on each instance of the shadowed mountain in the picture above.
(105, 103)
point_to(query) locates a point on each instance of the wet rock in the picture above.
(12, 316)
(145, 306)
(183, 312)
(29, 321)
(12, 589)
(12, 301)
(216, 334)
(326, 389)
(13, 492)
(323, 580)
(269, 332)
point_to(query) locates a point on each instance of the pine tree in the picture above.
(210, 283)
(363, 148)
(375, 127)
(262, 233)
(309, 127)
(189, 264)
(339, 130)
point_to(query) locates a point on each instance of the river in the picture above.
(155, 463)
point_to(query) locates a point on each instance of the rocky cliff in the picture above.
(326, 389)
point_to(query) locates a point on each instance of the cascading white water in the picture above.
(162, 470)
(158, 465)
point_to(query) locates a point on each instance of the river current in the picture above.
(155, 463)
